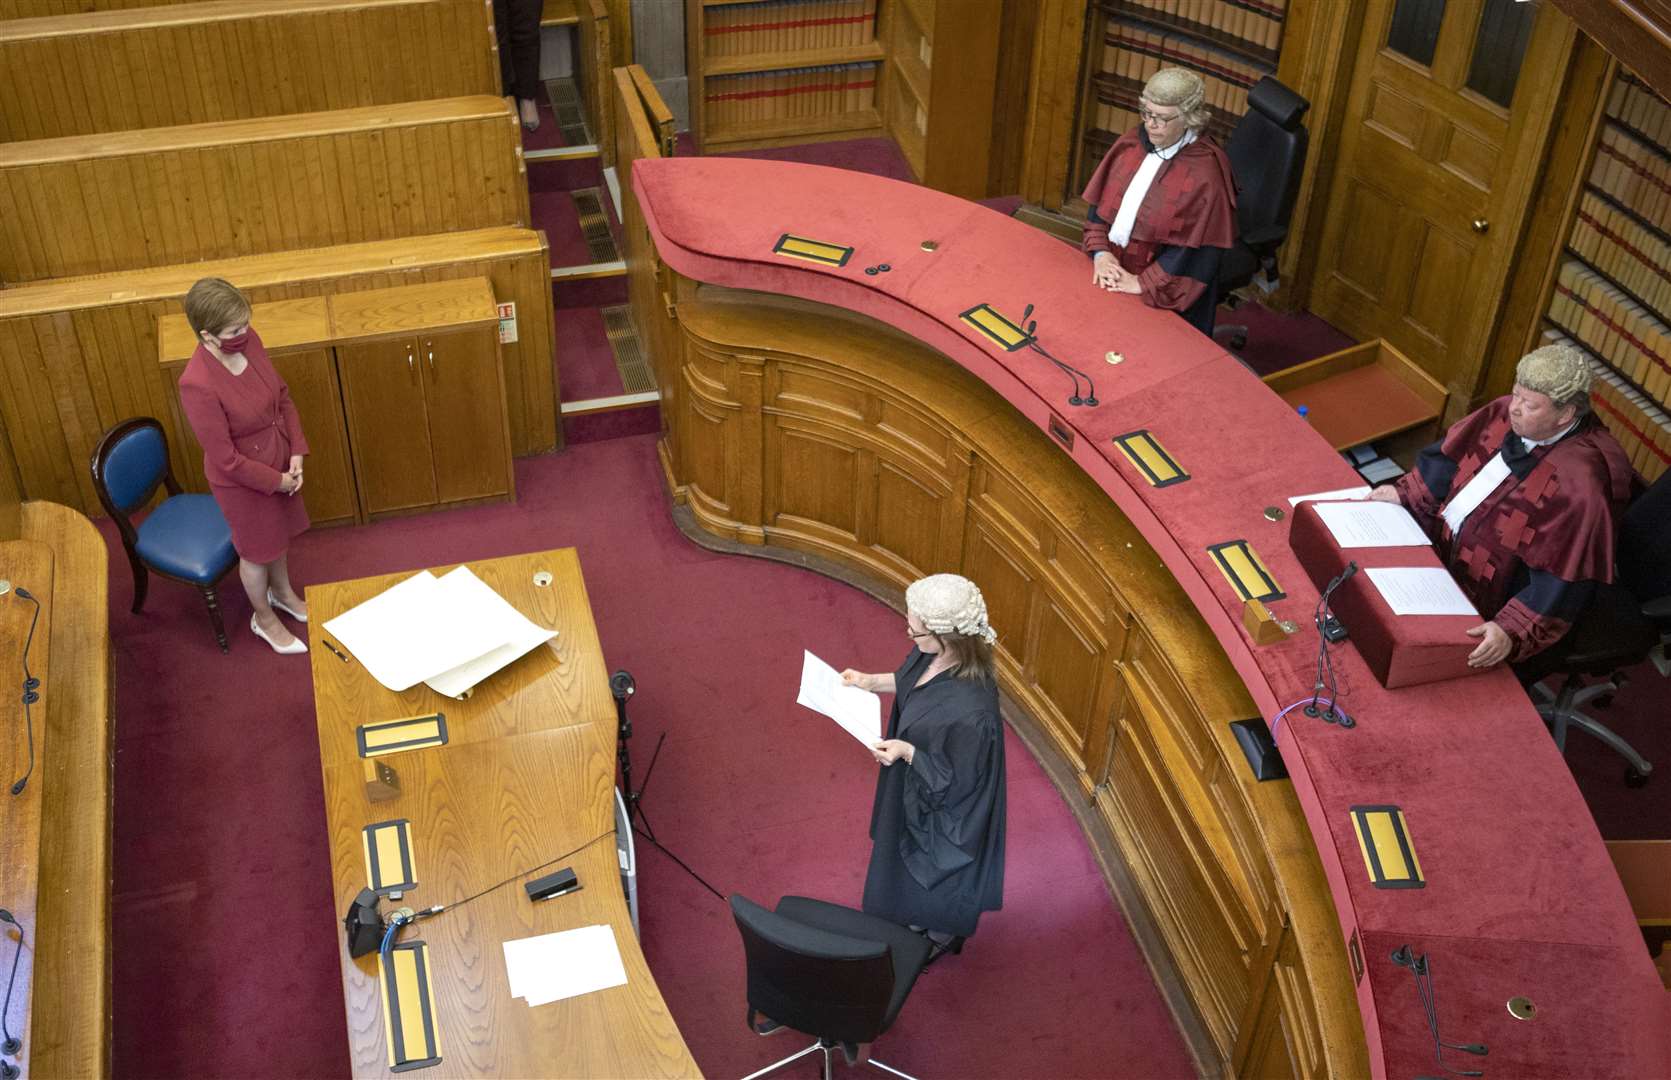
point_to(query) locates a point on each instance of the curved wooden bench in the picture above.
(90, 204)
(119, 70)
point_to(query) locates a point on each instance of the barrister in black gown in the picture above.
(938, 822)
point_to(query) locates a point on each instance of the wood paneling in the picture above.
(78, 355)
(1096, 641)
(69, 996)
(235, 59)
(643, 128)
(97, 203)
(37, 9)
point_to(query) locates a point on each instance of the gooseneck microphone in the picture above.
(1329, 631)
(31, 690)
(1089, 397)
(1421, 968)
(13, 1044)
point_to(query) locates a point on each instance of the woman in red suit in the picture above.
(1163, 204)
(253, 447)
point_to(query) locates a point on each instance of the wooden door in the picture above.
(468, 432)
(1451, 102)
(388, 427)
(312, 378)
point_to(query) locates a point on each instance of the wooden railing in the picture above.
(91, 204)
(78, 355)
(643, 129)
(224, 60)
(40, 9)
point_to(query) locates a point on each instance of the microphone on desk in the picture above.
(1329, 631)
(31, 691)
(13, 1044)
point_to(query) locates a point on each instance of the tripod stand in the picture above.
(621, 687)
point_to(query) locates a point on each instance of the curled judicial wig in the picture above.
(1560, 371)
(215, 304)
(951, 607)
(1183, 90)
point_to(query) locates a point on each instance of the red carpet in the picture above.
(225, 940)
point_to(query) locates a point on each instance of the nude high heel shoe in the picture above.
(273, 601)
(295, 647)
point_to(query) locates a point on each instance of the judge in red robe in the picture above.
(1163, 204)
(1523, 500)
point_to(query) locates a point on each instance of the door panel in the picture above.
(1434, 177)
(387, 424)
(312, 379)
(466, 414)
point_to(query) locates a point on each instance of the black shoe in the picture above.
(938, 948)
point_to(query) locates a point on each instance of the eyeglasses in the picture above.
(914, 636)
(1150, 117)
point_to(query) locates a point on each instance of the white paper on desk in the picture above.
(1420, 590)
(859, 712)
(1340, 493)
(471, 598)
(446, 629)
(566, 964)
(1371, 524)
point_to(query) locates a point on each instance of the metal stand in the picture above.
(829, 1062)
(621, 687)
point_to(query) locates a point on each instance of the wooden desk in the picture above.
(527, 775)
(55, 835)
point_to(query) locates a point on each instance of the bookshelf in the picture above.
(1611, 294)
(1231, 44)
(767, 72)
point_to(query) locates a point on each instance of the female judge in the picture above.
(252, 441)
(1163, 204)
(937, 825)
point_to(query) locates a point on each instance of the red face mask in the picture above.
(234, 344)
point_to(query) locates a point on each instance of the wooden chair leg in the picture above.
(141, 581)
(213, 601)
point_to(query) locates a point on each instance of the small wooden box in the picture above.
(1362, 394)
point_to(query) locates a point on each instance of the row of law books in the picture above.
(1256, 22)
(1634, 256)
(1642, 428)
(787, 26)
(1613, 327)
(1133, 54)
(1635, 174)
(1632, 102)
(761, 96)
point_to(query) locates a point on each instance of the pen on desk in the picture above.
(340, 654)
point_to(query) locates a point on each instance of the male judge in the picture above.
(1523, 500)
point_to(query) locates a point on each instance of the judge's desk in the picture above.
(856, 374)
(526, 775)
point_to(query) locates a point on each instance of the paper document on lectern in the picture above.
(859, 712)
(450, 632)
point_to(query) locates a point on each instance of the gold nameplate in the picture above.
(1148, 457)
(390, 866)
(411, 733)
(995, 328)
(1246, 573)
(799, 247)
(408, 1007)
(1388, 854)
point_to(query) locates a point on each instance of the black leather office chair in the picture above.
(1267, 152)
(826, 970)
(1623, 624)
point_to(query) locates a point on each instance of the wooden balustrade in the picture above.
(643, 129)
(78, 355)
(224, 60)
(91, 204)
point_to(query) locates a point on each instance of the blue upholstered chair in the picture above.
(185, 538)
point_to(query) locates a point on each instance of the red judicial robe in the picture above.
(1531, 554)
(1187, 219)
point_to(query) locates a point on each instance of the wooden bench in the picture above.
(78, 355)
(39, 9)
(88, 204)
(137, 68)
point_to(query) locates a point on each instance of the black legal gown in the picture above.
(937, 827)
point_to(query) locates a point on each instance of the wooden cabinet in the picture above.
(426, 417)
(937, 103)
(401, 393)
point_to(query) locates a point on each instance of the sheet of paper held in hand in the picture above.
(1420, 590)
(450, 632)
(1371, 524)
(566, 964)
(859, 712)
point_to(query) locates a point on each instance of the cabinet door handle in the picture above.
(411, 369)
(429, 347)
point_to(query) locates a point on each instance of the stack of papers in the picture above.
(566, 964)
(1420, 590)
(1371, 524)
(859, 712)
(450, 632)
